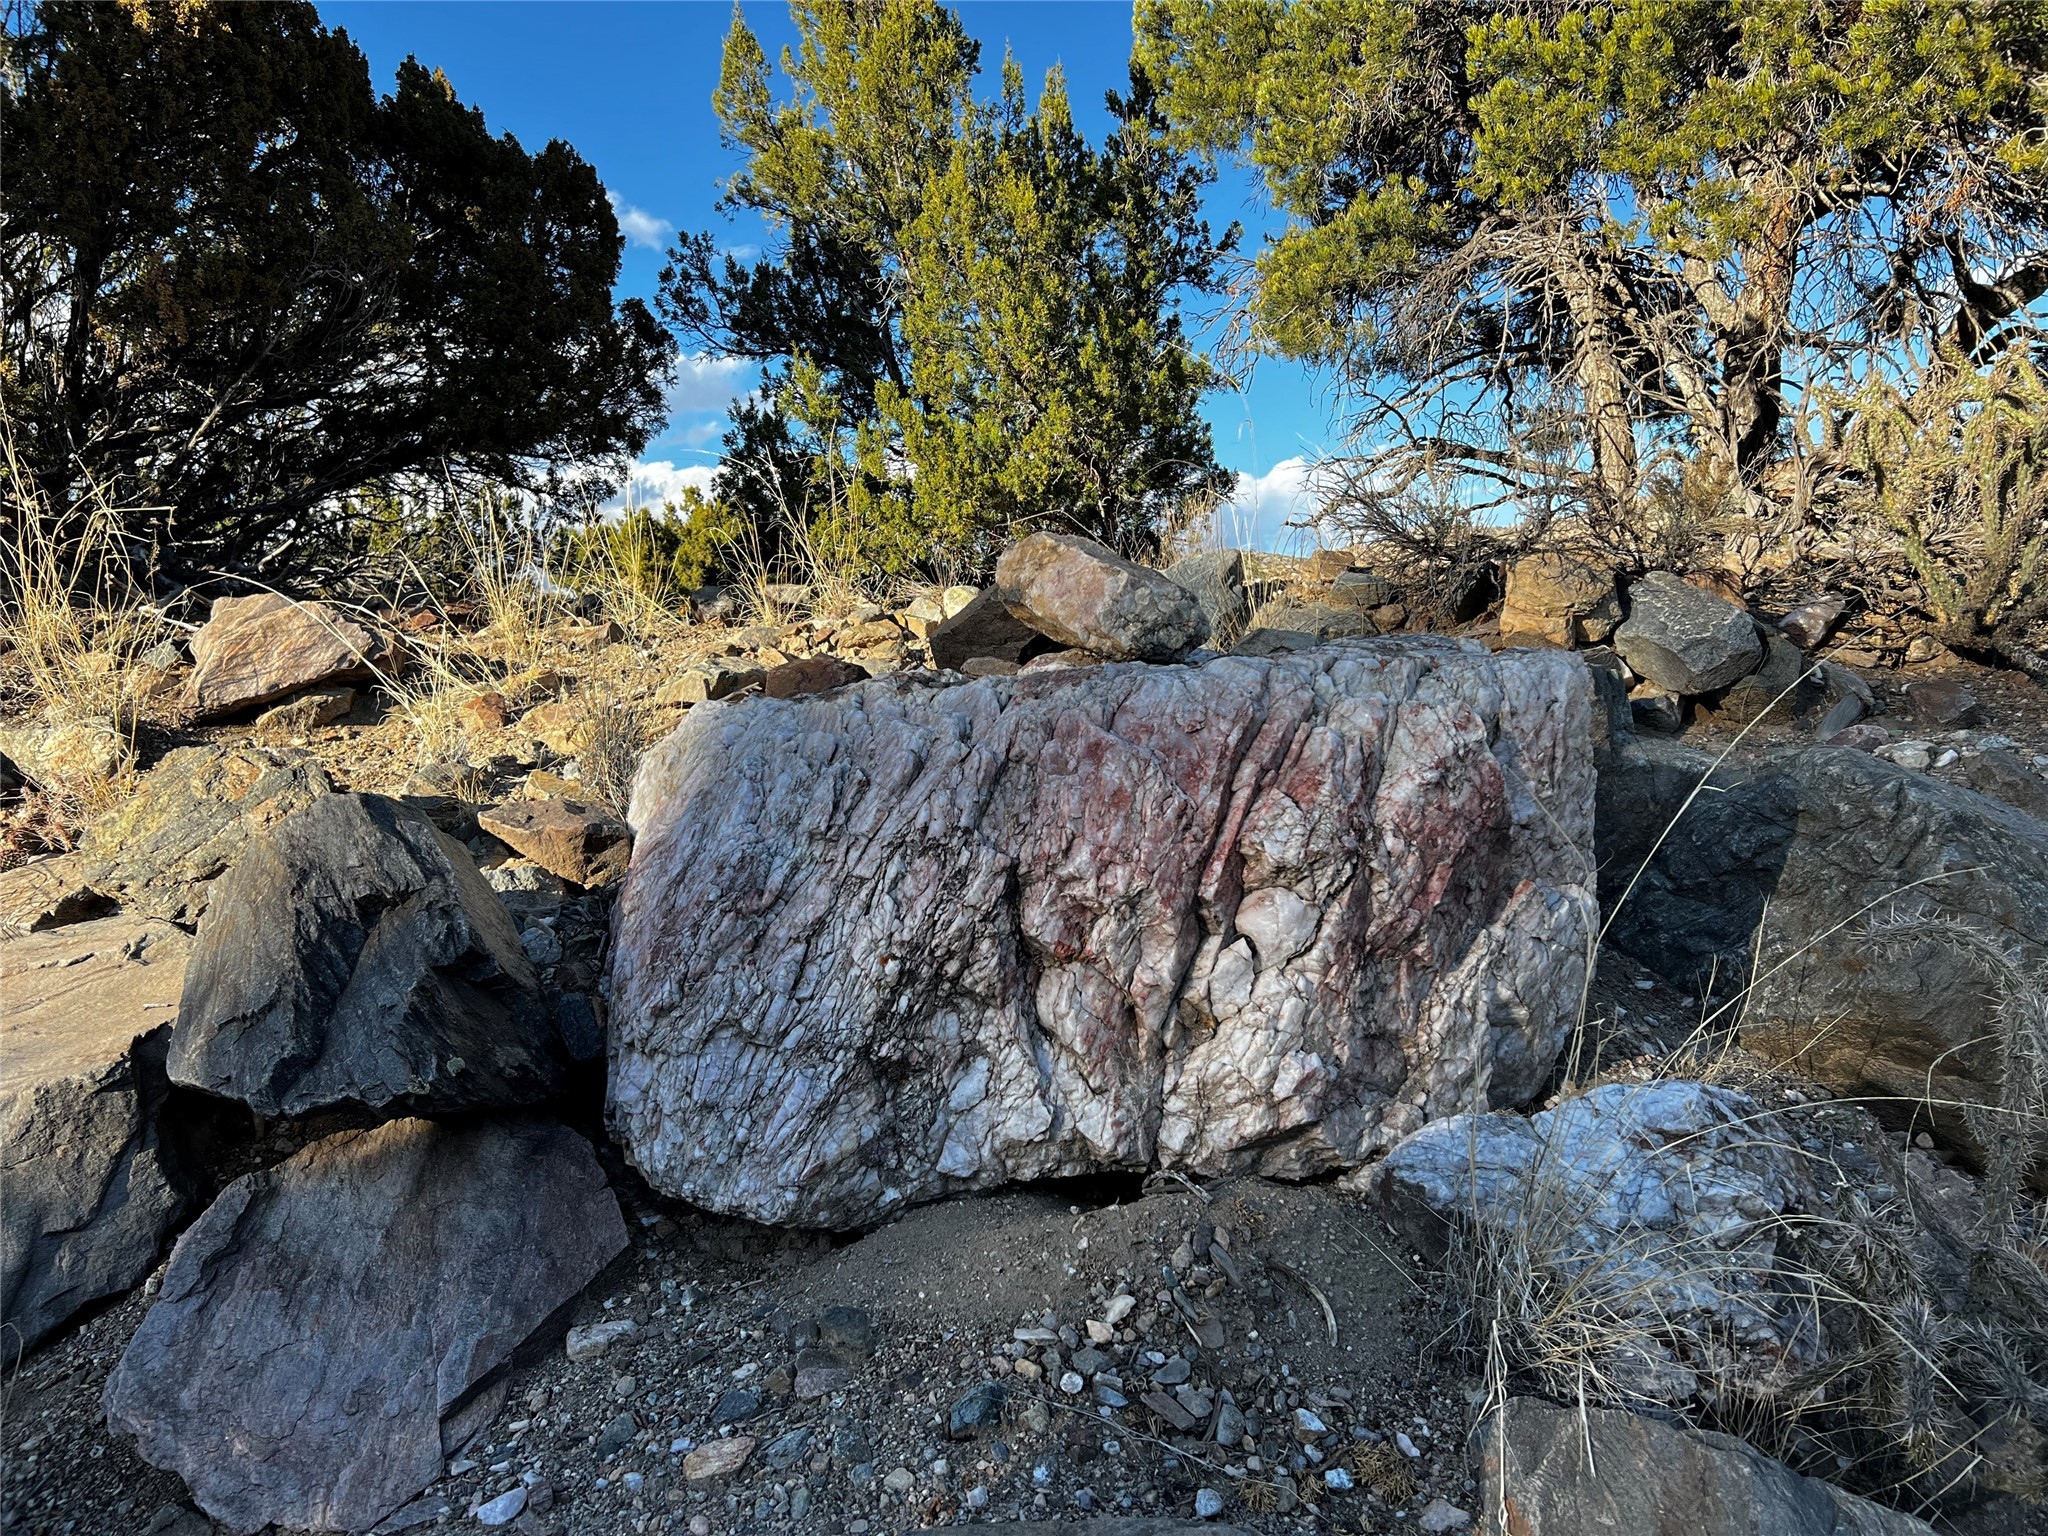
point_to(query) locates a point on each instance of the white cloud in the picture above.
(657, 481)
(706, 382)
(1259, 508)
(639, 226)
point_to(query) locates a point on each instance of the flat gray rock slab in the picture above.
(85, 1199)
(323, 1316)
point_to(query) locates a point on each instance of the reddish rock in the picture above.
(813, 674)
(584, 845)
(1085, 595)
(486, 712)
(1945, 703)
(257, 650)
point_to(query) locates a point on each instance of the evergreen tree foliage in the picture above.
(239, 284)
(967, 317)
(1547, 241)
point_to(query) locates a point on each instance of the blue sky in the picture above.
(629, 82)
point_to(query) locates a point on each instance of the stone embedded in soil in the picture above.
(719, 1458)
(812, 674)
(591, 1340)
(1080, 593)
(1684, 639)
(257, 650)
(1262, 915)
(979, 1407)
(322, 1317)
(354, 956)
(584, 844)
(86, 1198)
(1566, 1470)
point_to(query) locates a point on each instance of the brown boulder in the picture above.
(257, 650)
(1085, 595)
(813, 674)
(1564, 601)
(982, 627)
(584, 845)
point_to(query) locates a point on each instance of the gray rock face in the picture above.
(1216, 577)
(1797, 857)
(1290, 625)
(322, 1317)
(85, 1199)
(159, 851)
(1259, 914)
(1654, 1202)
(353, 955)
(1557, 1473)
(1684, 639)
(1082, 594)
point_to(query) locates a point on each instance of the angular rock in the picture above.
(71, 754)
(322, 1317)
(159, 850)
(1563, 1472)
(1942, 703)
(563, 726)
(709, 680)
(1081, 593)
(813, 674)
(48, 893)
(983, 629)
(582, 843)
(1560, 599)
(1098, 1525)
(1810, 623)
(1258, 915)
(1360, 589)
(1655, 1202)
(1684, 639)
(927, 613)
(398, 981)
(286, 722)
(257, 650)
(1291, 625)
(1785, 867)
(1216, 577)
(1785, 686)
(86, 1199)
(718, 1458)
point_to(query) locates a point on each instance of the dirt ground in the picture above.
(722, 1309)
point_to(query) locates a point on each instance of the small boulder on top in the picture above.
(1685, 640)
(1084, 594)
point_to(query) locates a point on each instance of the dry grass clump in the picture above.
(618, 733)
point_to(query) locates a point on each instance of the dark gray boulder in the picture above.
(1684, 639)
(159, 851)
(86, 1199)
(1778, 875)
(984, 628)
(1559, 1471)
(323, 1317)
(354, 956)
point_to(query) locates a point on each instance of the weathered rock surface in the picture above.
(1261, 914)
(1684, 639)
(1655, 1203)
(1099, 1525)
(68, 754)
(1798, 856)
(1291, 625)
(1557, 1472)
(256, 650)
(322, 1317)
(158, 851)
(48, 893)
(1216, 577)
(582, 843)
(1083, 594)
(982, 629)
(1559, 599)
(85, 1198)
(353, 955)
